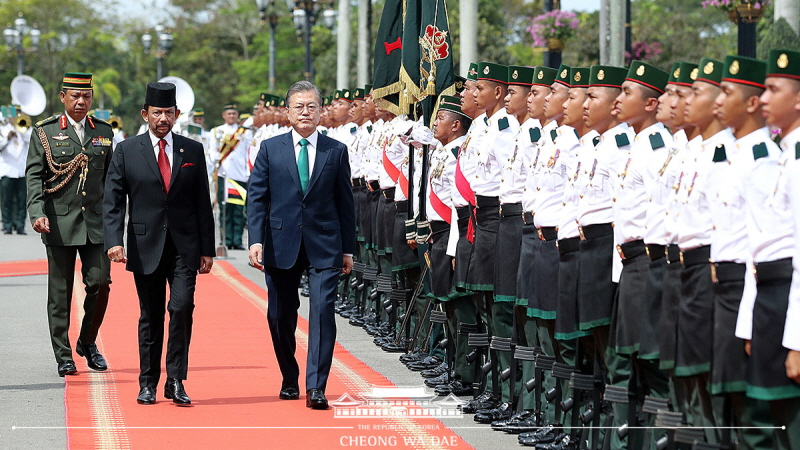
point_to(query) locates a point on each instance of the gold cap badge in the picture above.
(486, 70)
(601, 74)
(677, 73)
(693, 75)
(709, 68)
(515, 75)
(577, 76)
(734, 68)
(783, 61)
(640, 70)
(564, 73)
(541, 75)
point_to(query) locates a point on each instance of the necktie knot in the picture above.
(162, 145)
(304, 142)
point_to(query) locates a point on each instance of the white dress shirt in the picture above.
(168, 149)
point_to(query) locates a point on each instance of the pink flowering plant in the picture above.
(730, 5)
(556, 24)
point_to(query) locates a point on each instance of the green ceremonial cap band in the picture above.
(520, 75)
(783, 63)
(358, 94)
(451, 103)
(647, 75)
(544, 76)
(684, 74)
(744, 70)
(198, 112)
(493, 72)
(607, 76)
(579, 77)
(710, 71)
(343, 94)
(563, 74)
(472, 73)
(77, 80)
(229, 106)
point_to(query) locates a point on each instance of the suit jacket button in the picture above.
(83, 208)
(301, 225)
(164, 227)
(303, 205)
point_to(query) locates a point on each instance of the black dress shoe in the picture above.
(21, 232)
(289, 392)
(147, 396)
(94, 359)
(487, 400)
(6, 231)
(67, 368)
(503, 412)
(315, 399)
(545, 435)
(459, 389)
(561, 443)
(173, 389)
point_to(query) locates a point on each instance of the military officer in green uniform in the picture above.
(68, 158)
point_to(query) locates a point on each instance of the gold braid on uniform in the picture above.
(80, 162)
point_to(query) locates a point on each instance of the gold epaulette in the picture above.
(48, 120)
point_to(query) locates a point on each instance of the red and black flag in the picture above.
(388, 57)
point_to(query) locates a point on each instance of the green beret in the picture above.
(683, 73)
(710, 71)
(647, 75)
(544, 76)
(744, 70)
(783, 63)
(520, 75)
(493, 72)
(77, 80)
(450, 103)
(358, 94)
(563, 74)
(230, 106)
(472, 73)
(579, 77)
(607, 76)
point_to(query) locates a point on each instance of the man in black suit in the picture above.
(301, 216)
(163, 179)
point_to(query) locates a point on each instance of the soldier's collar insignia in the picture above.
(536, 134)
(719, 154)
(760, 151)
(622, 140)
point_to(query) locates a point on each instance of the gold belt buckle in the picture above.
(714, 278)
(580, 232)
(755, 273)
(541, 235)
(500, 210)
(621, 253)
(681, 256)
(647, 250)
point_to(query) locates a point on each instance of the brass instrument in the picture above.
(115, 122)
(22, 122)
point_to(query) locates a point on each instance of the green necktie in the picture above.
(302, 164)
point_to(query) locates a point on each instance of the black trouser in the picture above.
(13, 194)
(152, 290)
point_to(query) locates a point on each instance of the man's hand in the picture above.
(793, 365)
(747, 344)
(454, 263)
(412, 243)
(206, 262)
(256, 256)
(41, 225)
(348, 264)
(117, 254)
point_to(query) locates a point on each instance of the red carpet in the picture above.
(23, 268)
(233, 381)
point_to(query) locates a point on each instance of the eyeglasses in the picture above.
(311, 107)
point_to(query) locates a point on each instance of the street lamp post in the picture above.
(304, 16)
(13, 38)
(164, 46)
(269, 13)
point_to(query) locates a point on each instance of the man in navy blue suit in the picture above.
(301, 216)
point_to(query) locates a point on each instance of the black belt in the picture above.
(375, 185)
(401, 205)
(655, 251)
(568, 245)
(463, 212)
(595, 231)
(780, 269)
(699, 255)
(388, 193)
(527, 218)
(722, 272)
(439, 225)
(487, 202)
(357, 181)
(673, 254)
(547, 233)
(630, 250)
(510, 209)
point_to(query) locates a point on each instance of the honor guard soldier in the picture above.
(771, 235)
(68, 159)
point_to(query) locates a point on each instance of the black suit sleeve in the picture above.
(345, 205)
(114, 199)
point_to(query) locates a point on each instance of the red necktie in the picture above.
(163, 164)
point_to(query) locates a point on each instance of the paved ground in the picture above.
(31, 393)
